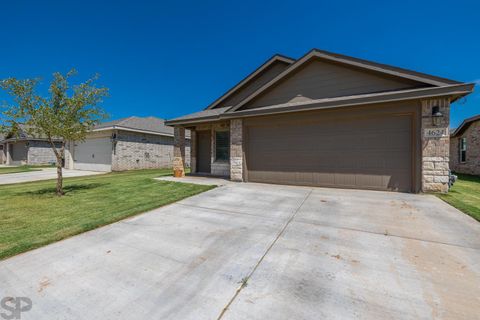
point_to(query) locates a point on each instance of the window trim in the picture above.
(228, 146)
(462, 150)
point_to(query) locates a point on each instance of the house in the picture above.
(124, 144)
(465, 147)
(26, 149)
(326, 120)
(2, 152)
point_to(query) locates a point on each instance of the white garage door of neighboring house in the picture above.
(93, 154)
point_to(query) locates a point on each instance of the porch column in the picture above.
(179, 152)
(3, 157)
(236, 150)
(435, 145)
(7, 153)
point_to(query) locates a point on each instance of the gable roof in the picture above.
(465, 124)
(151, 125)
(432, 86)
(255, 73)
(359, 63)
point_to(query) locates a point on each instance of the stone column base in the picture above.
(179, 152)
(236, 150)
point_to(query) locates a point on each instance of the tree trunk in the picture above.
(59, 189)
(59, 155)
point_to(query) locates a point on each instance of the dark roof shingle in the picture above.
(205, 114)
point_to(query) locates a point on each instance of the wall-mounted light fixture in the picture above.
(436, 116)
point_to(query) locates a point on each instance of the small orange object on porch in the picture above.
(178, 173)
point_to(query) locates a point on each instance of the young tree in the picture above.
(67, 114)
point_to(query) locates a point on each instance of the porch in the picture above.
(216, 149)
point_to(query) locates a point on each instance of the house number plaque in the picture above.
(435, 132)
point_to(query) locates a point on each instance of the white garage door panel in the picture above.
(93, 154)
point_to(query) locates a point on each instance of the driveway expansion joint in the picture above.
(223, 211)
(388, 235)
(245, 279)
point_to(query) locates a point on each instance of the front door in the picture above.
(204, 151)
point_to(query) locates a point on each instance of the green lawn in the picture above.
(32, 216)
(465, 195)
(4, 170)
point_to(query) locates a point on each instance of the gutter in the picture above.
(27, 139)
(132, 130)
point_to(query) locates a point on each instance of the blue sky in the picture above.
(170, 58)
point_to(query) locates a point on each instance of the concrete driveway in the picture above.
(253, 251)
(43, 174)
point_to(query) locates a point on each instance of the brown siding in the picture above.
(268, 74)
(319, 79)
(363, 147)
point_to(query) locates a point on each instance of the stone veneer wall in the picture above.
(179, 150)
(144, 151)
(472, 165)
(40, 152)
(236, 150)
(435, 151)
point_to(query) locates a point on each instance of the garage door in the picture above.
(332, 150)
(93, 154)
(18, 152)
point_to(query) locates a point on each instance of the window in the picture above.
(463, 149)
(222, 145)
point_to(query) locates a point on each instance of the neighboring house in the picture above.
(465, 147)
(23, 149)
(327, 120)
(125, 144)
(2, 152)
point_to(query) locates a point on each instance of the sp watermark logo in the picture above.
(11, 308)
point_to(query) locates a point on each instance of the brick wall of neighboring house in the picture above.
(41, 152)
(472, 163)
(144, 151)
(435, 151)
